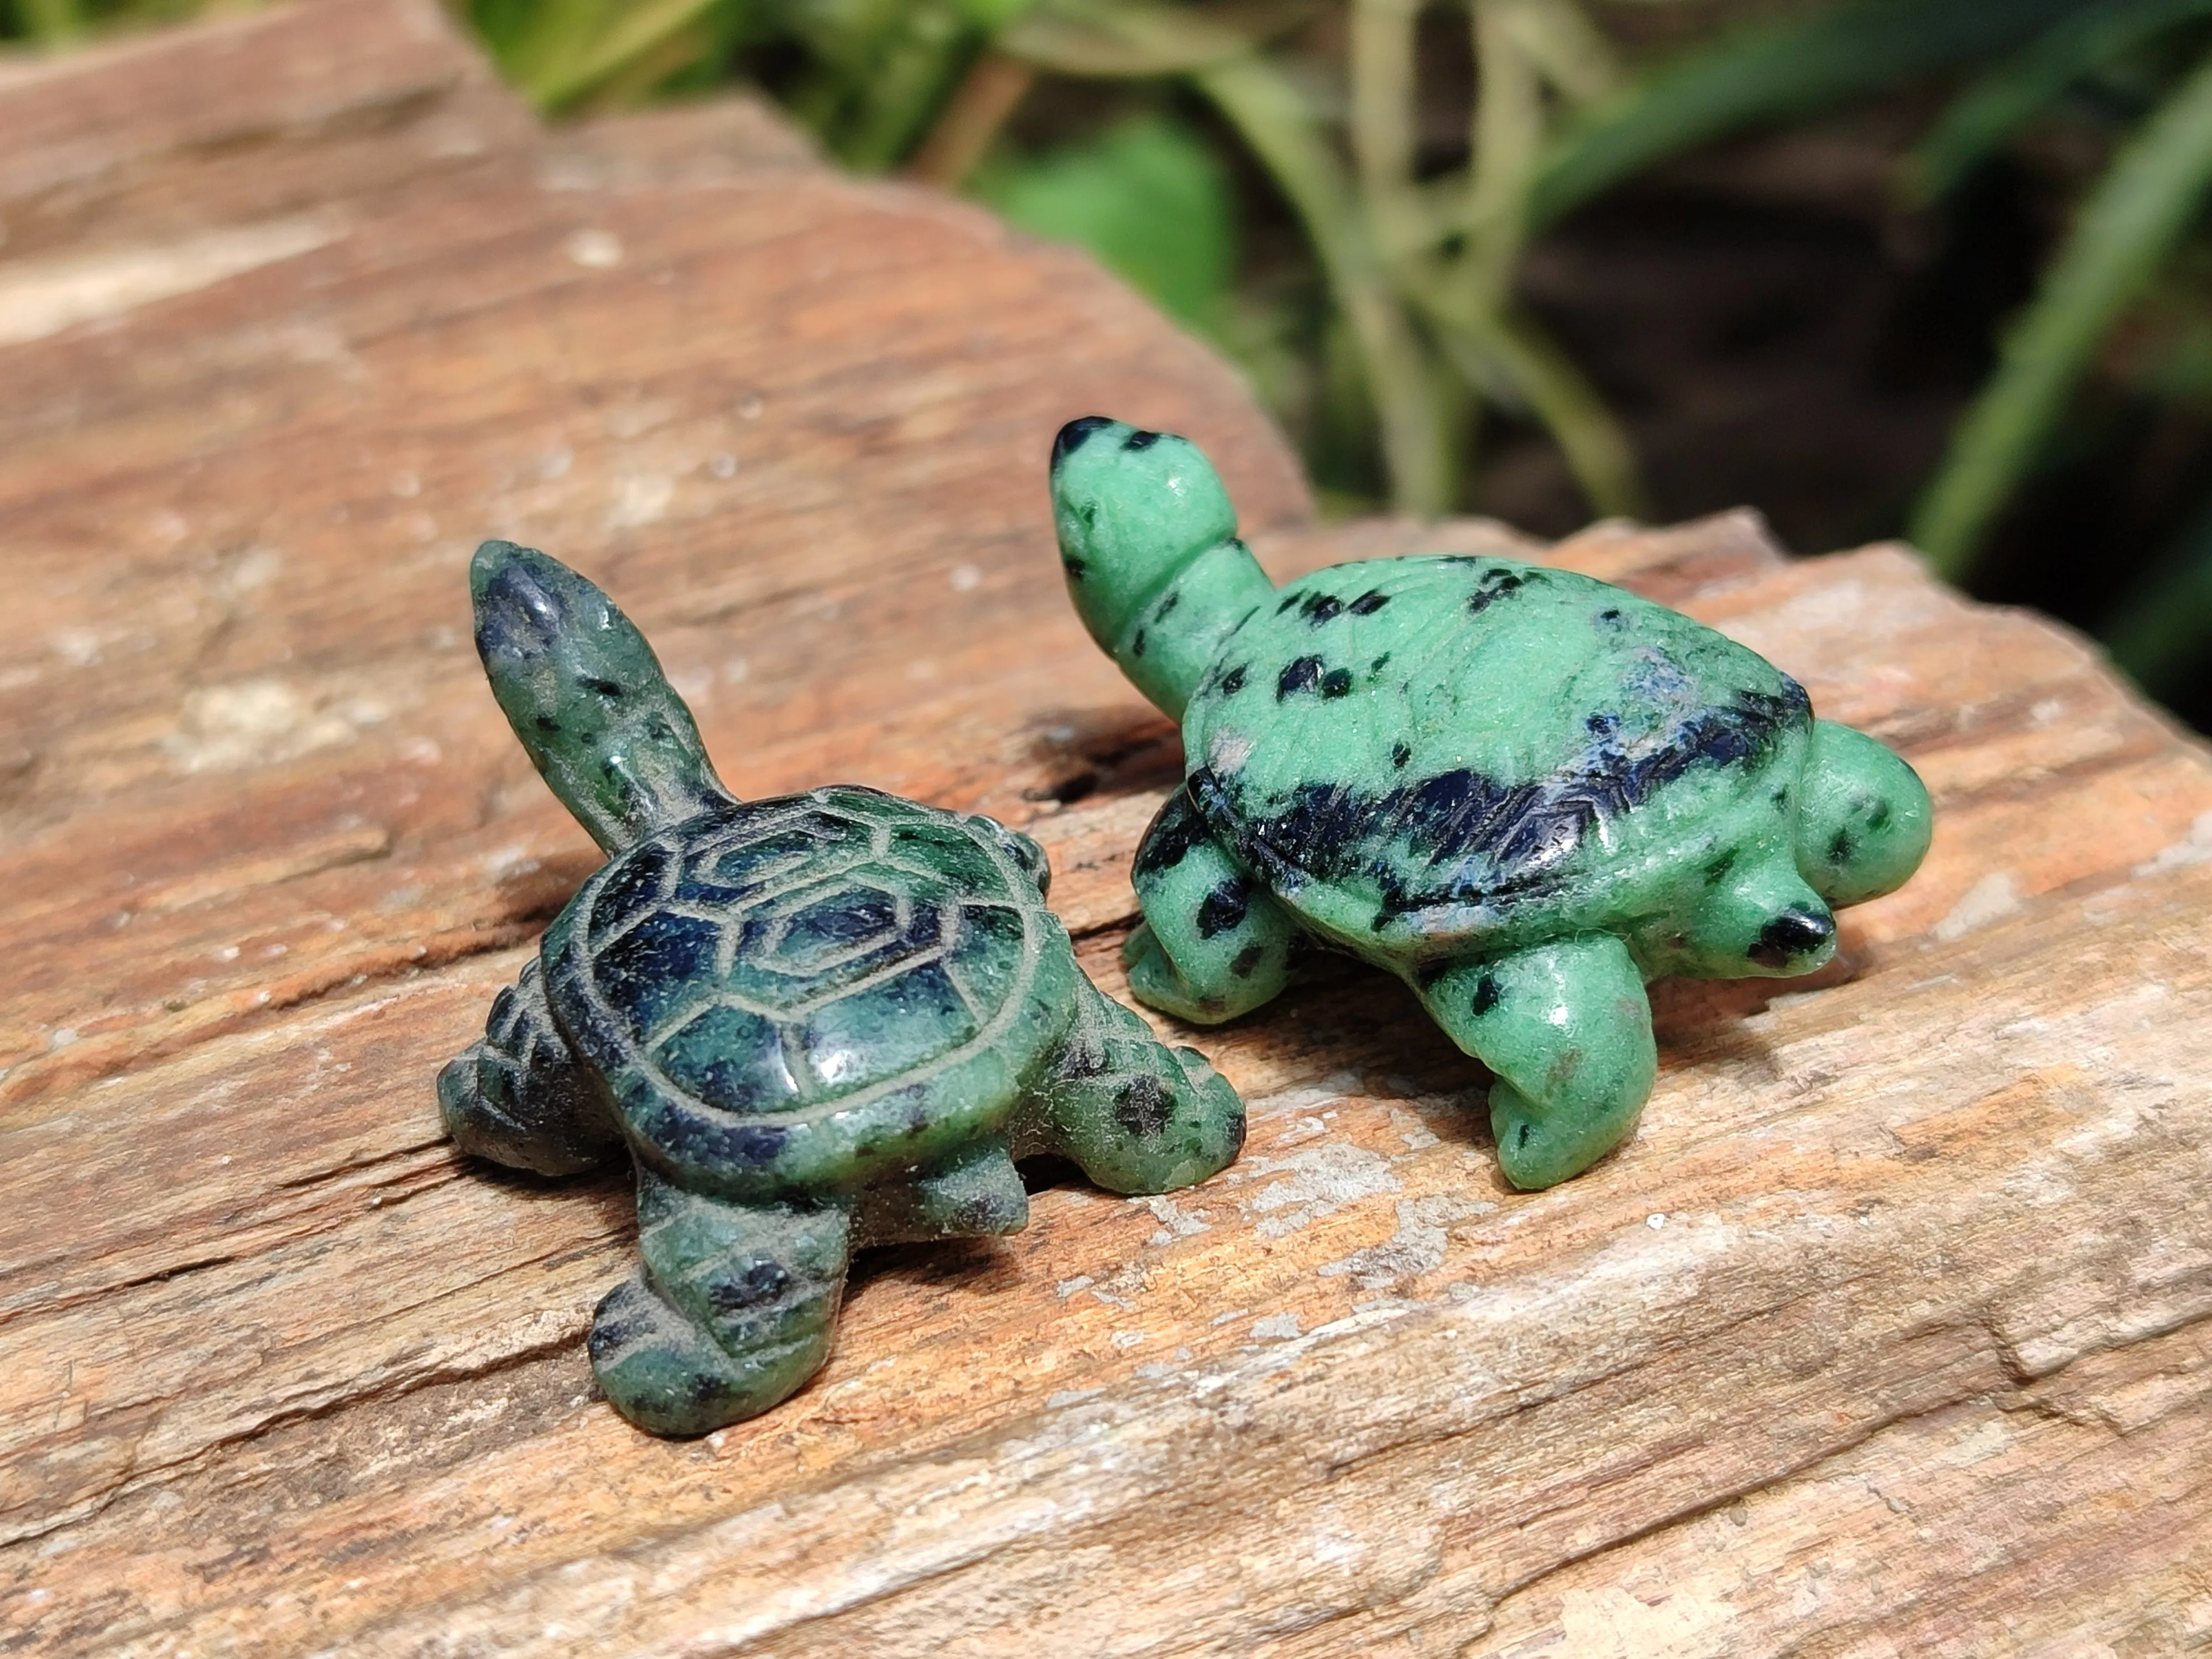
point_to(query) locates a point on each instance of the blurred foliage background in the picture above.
(1934, 268)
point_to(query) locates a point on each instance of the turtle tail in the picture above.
(1148, 540)
(586, 694)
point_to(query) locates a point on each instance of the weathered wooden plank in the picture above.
(1885, 1335)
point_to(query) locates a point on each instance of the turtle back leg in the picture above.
(1214, 944)
(1136, 1114)
(1567, 1028)
(730, 1313)
(519, 1097)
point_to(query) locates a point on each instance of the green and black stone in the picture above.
(1524, 791)
(814, 1023)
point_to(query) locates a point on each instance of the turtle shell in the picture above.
(1434, 752)
(771, 987)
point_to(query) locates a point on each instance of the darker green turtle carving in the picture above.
(814, 1023)
(1523, 791)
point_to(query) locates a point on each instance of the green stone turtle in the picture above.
(815, 1023)
(1523, 791)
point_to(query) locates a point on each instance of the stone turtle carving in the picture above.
(815, 1023)
(1523, 791)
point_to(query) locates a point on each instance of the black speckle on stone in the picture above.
(1319, 608)
(545, 722)
(1399, 754)
(1379, 664)
(1286, 603)
(1493, 586)
(1879, 818)
(1601, 726)
(1141, 440)
(1075, 567)
(762, 1281)
(1336, 682)
(1137, 645)
(1176, 830)
(1717, 870)
(1142, 1106)
(1246, 960)
(1790, 936)
(755, 1145)
(1222, 910)
(1300, 674)
(1781, 797)
(1174, 599)
(1522, 1139)
(610, 1335)
(1523, 832)
(1840, 848)
(1233, 681)
(1611, 615)
(519, 613)
(1486, 995)
(1369, 603)
(1076, 434)
(1082, 1059)
(606, 688)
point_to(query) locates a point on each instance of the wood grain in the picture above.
(1885, 1335)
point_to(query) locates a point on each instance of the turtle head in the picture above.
(586, 696)
(1148, 541)
(1863, 817)
(1763, 920)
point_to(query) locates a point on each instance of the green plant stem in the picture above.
(1509, 355)
(1383, 136)
(1273, 118)
(1562, 42)
(978, 110)
(1508, 135)
(2141, 205)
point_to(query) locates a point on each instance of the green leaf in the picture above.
(992, 15)
(51, 22)
(2144, 201)
(1149, 197)
(1776, 70)
(1280, 124)
(2003, 100)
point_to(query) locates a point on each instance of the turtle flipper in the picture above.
(1214, 944)
(979, 1196)
(730, 1313)
(587, 698)
(1136, 1114)
(1567, 1028)
(1148, 539)
(518, 1098)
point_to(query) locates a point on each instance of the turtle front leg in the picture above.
(1567, 1028)
(731, 1311)
(518, 1097)
(1213, 943)
(1136, 1114)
